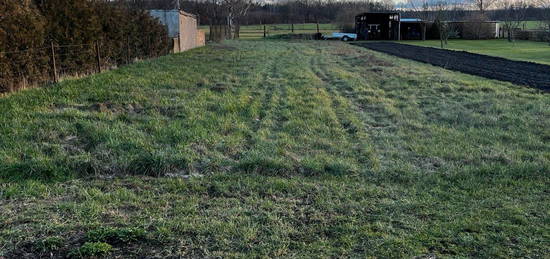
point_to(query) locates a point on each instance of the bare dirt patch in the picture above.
(517, 72)
(104, 107)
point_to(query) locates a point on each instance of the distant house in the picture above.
(182, 29)
(391, 26)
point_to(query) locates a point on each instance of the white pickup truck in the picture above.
(340, 36)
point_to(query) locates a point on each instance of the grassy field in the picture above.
(257, 31)
(522, 50)
(531, 25)
(274, 148)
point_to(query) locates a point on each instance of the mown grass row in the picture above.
(275, 148)
(157, 125)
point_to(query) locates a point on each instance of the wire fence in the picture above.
(267, 30)
(277, 29)
(53, 62)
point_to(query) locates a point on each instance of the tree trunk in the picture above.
(440, 29)
(441, 37)
(446, 34)
(211, 34)
(218, 33)
(228, 34)
(237, 31)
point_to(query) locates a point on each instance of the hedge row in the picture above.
(28, 29)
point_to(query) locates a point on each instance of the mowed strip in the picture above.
(275, 149)
(240, 108)
(517, 72)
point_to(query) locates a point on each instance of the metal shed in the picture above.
(377, 26)
(389, 26)
(182, 28)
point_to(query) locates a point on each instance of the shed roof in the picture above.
(411, 20)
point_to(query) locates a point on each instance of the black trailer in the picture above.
(389, 26)
(377, 26)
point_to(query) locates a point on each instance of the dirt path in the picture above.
(517, 72)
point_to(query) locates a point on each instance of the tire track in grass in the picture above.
(299, 133)
(345, 111)
(225, 106)
(266, 92)
(274, 95)
(259, 155)
(374, 119)
(331, 148)
(377, 110)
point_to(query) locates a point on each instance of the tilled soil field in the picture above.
(517, 72)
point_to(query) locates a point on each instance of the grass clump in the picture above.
(50, 244)
(115, 235)
(92, 249)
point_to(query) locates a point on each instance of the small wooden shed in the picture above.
(182, 28)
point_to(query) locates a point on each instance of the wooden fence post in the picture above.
(292, 27)
(317, 26)
(128, 50)
(54, 67)
(264, 32)
(98, 57)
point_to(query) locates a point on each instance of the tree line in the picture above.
(334, 11)
(124, 28)
(234, 13)
(511, 14)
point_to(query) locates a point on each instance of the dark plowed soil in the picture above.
(517, 72)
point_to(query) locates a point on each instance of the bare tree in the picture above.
(513, 15)
(217, 19)
(305, 7)
(236, 10)
(442, 26)
(388, 4)
(440, 12)
(421, 9)
(483, 5)
(225, 17)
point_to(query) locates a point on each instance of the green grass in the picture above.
(275, 149)
(522, 50)
(531, 25)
